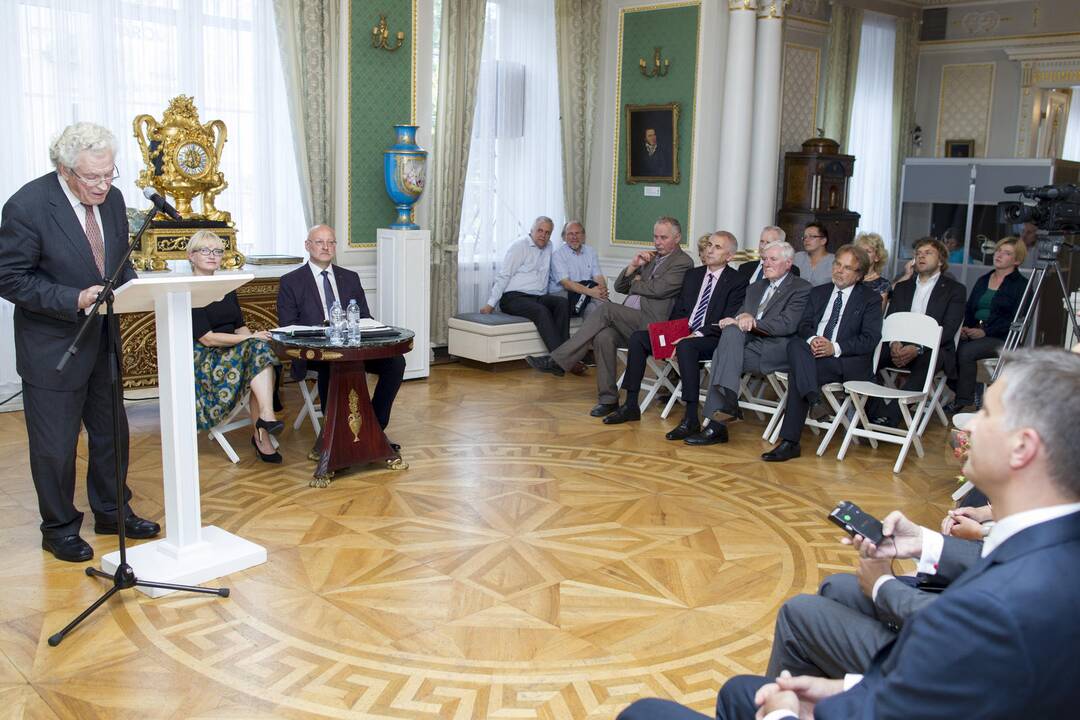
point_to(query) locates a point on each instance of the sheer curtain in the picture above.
(870, 133)
(1071, 149)
(106, 61)
(515, 165)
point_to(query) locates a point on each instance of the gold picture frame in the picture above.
(658, 161)
(959, 148)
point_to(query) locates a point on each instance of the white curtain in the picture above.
(870, 133)
(1071, 149)
(515, 162)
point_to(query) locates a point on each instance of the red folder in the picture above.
(663, 335)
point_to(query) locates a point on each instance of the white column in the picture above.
(736, 120)
(765, 145)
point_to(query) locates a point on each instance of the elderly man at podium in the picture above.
(60, 236)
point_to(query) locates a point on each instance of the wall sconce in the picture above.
(380, 36)
(658, 69)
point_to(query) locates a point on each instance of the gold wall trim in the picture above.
(988, 40)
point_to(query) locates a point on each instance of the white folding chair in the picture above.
(905, 327)
(234, 422)
(937, 404)
(832, 394)
(752, 396)
(309, 392)
(651, 385)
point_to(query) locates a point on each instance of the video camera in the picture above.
(1056, 208)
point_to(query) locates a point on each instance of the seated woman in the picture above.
(991, 308)
(229, 358)
(875, 248)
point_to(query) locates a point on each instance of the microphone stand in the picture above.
(124, 577)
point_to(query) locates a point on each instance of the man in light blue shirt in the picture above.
(522, 282)
(574, 264)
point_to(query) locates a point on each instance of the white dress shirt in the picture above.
(923, 288)
(845, 295)
(317, 272)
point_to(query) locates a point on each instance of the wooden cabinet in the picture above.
(816, 189)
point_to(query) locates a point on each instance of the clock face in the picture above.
(192, 159)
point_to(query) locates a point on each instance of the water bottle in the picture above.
(337, 324)
(353, 316)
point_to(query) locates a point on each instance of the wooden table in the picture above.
(350, 433)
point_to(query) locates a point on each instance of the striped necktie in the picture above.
(93, 236)
(703, 304)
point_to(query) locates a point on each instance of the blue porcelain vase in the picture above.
(404, 171)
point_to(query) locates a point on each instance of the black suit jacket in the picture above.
(45, 262)
(1002, 306)
(299, 302)
(860, 326)
(946, 306)
(727, 297)
(1000, 642)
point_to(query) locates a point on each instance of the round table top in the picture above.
(320, 348)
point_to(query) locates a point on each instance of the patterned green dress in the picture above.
(223, 374)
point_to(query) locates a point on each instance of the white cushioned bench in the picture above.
(497, 337)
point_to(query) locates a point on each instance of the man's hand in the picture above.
(820, 347)
(902, 355)
(644, 257)
(966, 522)
(724, 322)
(487, 310)
(808, 690)
(781, 700)
(89, 296)
(599, 292)
(903, 539)
(975, 333)
(869, 571)
(746, 322)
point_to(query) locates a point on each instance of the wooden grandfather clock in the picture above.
(816, 190)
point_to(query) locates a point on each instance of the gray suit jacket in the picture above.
(658, 289)
(781, 318)
(45, 262)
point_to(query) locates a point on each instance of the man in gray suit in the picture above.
(61, 234)
(651, 281)
(754, 341)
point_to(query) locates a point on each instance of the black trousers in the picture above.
(390, 372)
(968, 356)
(550, 314)
(918, 369)
(689, 354)
(806, 375)
(53, 418)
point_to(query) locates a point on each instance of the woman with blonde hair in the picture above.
(229, 358)
(874, 246)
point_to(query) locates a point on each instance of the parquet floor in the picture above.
(531, 563)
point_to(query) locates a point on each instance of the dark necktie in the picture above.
(703, 304)
(834, 317)
(328, 291)
(93, 235)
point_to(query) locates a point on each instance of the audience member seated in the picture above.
(229, 358)
(709, 292)
(305, 297)
(999, 641)
(576, 273)
(835, 342)
(990, 310)
(814, 260)
(754, 340)
(651, 281)
(930, 291)
(874, 247)
(953, 241)
(522, 282)
(770, 234)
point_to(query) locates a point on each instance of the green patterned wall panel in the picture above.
(381, 94)
(675, 30)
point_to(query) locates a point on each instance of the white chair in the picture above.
(309, 391)
(752, 396)
(676, 395)
(234, 422)
(651, 385)
(937, 404)
(831, 393)
(904, 327)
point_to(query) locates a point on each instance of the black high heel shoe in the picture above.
(274, 427)
(274, 457)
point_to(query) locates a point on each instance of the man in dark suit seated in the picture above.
(929, 291)
(1001, 640)
(770, 234)
(305, 297)
(709, 292)
(61, 235)
(754, 340)
(837, 336)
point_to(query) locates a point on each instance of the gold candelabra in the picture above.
(380, 36)
(658, 69)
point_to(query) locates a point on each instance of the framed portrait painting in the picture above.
(959, 148)
(652, 143)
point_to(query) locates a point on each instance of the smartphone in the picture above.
(854, 521)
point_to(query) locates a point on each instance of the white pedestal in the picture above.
(403, 288)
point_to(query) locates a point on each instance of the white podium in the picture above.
(189, 554)
(403, 289)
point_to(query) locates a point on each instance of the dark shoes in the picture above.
(603, 409)
(786, 450)
(684, 430)
(958, 407)
(135, 527)
(274, 457)
(70, 548)
(626, 413)
(544, 363)
(578, 369)
(712, 434)
(274, 427)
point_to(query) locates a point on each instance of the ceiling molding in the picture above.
(1065, 42)
(1058, 51)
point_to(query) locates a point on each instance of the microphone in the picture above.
(161, 204)
(1010, 190)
